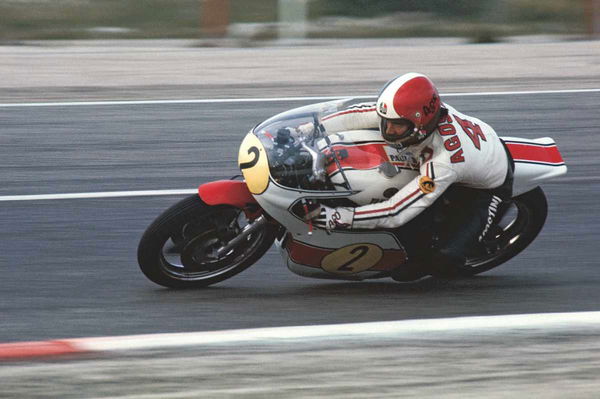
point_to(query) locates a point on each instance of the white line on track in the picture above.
(106, 194)
(273, 99)
(504, 324)
(573, 321)
(158, 102)
(424, 328)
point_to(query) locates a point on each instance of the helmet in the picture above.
(413, 101)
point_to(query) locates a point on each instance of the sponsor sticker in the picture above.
(426, 184)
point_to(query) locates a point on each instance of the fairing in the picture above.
(358, 168)
(226, 192)
(285, 171)
(536, 161)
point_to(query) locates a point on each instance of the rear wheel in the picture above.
(519, 226)
(180, 248)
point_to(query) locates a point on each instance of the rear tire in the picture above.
(178, 250)
(520, 225)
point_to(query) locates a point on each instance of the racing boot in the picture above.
(409, 272)
(448, 266)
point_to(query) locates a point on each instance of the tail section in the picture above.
(536, 161)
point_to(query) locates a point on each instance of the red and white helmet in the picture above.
(411, 97)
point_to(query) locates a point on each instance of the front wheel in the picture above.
(180, 248)
(521, 223)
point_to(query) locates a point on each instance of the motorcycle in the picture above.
(230, 224)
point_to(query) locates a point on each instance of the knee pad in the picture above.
(445, 258)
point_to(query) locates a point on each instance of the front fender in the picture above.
(226, 192)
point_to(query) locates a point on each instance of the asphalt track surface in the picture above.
(69, 266)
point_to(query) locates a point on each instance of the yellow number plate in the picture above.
(352, 259)
(254, 164)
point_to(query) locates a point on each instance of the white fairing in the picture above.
(277, 201)
(532, 168)
(326, 253)
(536, 161)
(357, 166)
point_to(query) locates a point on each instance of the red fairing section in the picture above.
(226, 192)
(359, 157)
(535, 153)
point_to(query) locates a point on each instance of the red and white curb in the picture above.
(23, 350)
(499, 324)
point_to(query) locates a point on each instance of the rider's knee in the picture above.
(446, 262)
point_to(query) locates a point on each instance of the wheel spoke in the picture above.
(195, 255)
(180, 248)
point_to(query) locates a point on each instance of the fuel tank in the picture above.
(374, 170)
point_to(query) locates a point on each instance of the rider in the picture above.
(464, 170)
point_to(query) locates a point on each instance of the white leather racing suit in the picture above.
(463, 150)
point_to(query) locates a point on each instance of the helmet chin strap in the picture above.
(418, 134)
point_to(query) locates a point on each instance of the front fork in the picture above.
(234, 193)
(250, 228)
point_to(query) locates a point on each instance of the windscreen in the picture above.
(286, 137)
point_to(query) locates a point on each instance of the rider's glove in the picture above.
(305, 130)
(334, 218)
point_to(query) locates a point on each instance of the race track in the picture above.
(69, 266)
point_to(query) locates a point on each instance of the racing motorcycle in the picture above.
(230, 224)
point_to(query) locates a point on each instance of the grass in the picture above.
(63, 19)
(482, 20)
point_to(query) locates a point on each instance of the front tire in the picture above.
(178, 250)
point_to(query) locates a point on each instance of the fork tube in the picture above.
(246, 231)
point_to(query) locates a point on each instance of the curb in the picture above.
(538, 323)
(25, 350)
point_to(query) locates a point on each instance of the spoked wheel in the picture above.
(519, 226)
(183, 247)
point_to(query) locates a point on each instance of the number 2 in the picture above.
(249, 164)
(363, 249)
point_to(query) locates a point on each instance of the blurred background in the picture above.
(253, 21)
(69, 267)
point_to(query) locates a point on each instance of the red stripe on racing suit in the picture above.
(407, 203)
